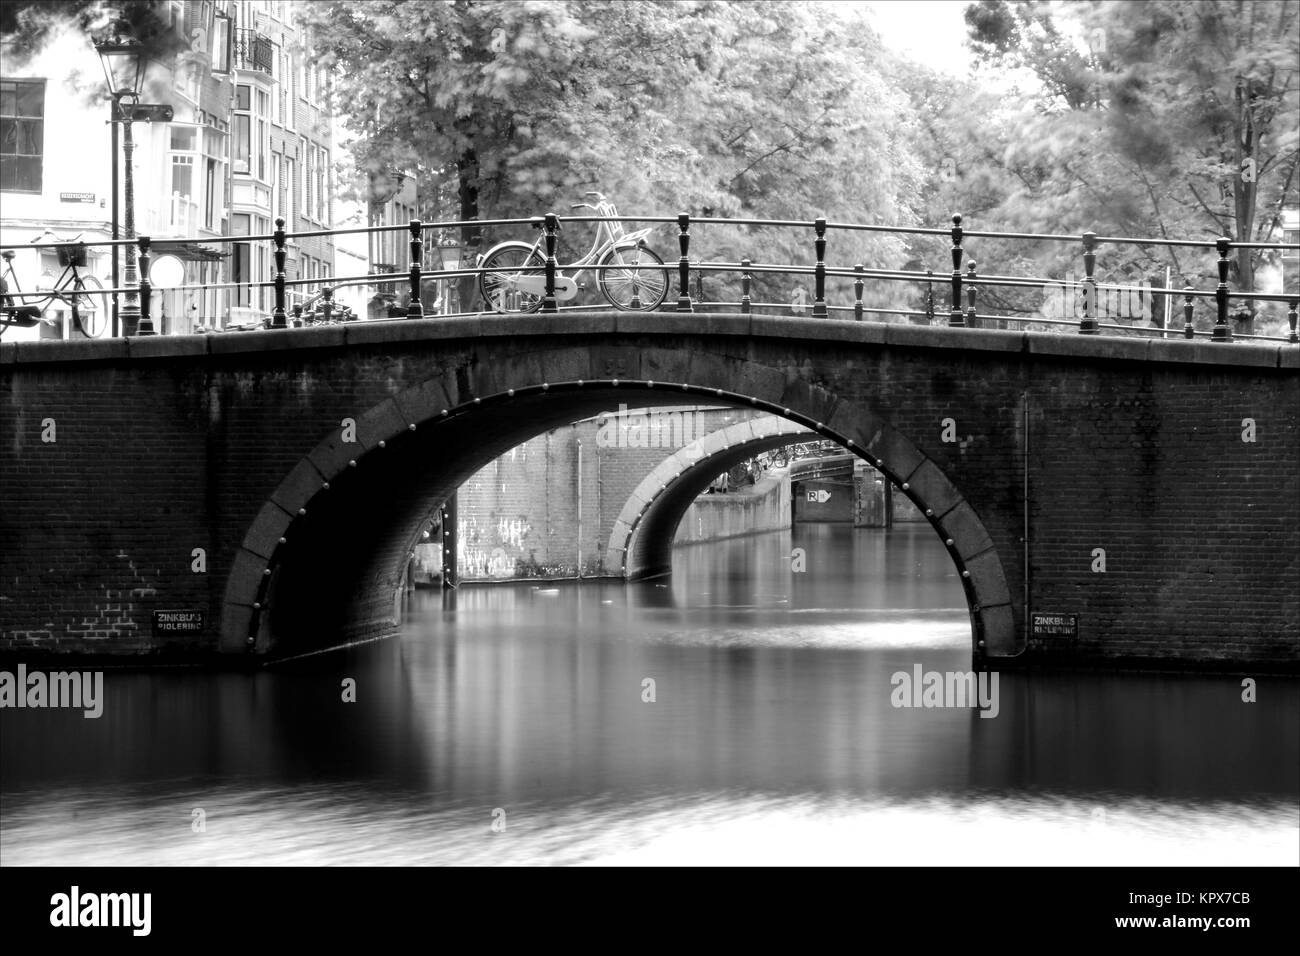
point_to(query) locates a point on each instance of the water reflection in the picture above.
(770, 739)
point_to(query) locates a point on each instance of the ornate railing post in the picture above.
(1291, 317)
(279, 317)
(1222, 332)
(146, 321)
(326, 304)
(929, 297)
(1189, 330)
(416, 309)
(1088, 325)
(819, 271)
(955, 317)
(745, 280)
(970, 294)
(684, 263)
(548, 300)
(858, 287)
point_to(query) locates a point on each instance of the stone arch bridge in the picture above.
(1115, 501)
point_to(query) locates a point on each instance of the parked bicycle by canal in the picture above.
(83, 294)
(516, 280)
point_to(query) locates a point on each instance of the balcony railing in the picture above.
(253, 51)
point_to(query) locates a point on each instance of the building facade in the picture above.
(250, 140)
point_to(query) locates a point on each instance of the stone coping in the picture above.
(379, 332)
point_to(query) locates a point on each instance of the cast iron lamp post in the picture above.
(124, 62)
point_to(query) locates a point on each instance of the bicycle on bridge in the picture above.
(516, 280)
(83, 294)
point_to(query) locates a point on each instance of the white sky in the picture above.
(931, 32)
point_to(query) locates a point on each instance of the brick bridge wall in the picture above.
(118, 459)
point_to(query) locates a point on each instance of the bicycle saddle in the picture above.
(7, 254)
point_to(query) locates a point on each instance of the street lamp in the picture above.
(124, 62)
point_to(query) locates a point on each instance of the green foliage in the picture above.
(766, 110)
(27, 25)
(1165, 118)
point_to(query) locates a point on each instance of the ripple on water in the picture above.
(333, 827)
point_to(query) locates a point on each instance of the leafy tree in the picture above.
(28, 25)
(759, 110)
(1163, 118)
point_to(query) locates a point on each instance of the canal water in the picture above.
(513, 724)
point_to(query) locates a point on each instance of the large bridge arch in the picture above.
(322, 561)
(663, 496)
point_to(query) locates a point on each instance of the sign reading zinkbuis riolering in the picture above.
(1050, 625)
(177, 622)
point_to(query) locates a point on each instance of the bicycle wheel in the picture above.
(90, 305)
(508, 261)
(618, 285)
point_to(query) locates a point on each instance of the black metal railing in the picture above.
(961, 312)
(253, 51)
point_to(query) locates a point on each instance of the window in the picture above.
(309, 183)
(262, 141)
(252, 133)
(182, 156)
(322, 84)
(288, 185)
(22, 134)
(240, 261)
(243, 122)
(249, 262)
(282, 109)
(182, 192)
(210, 194)
(221, 44)
(262, 262)
(322, 187)
(182, 176)
(214, 180)
(198, 25)
(277, 171)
